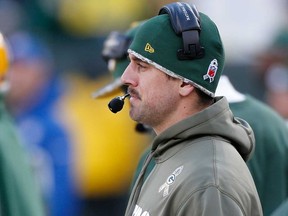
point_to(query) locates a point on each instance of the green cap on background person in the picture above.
(115, 53)
(157, 44)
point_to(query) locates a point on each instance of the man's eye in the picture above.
(142, 66)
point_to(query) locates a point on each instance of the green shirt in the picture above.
(19, 194)
(269, 164)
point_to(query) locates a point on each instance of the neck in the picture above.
(181, 112)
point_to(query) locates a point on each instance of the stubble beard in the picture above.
(144, 114)
(152, 115)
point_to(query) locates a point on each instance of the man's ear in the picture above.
(185, 88)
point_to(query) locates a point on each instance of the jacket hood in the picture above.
(216, 120)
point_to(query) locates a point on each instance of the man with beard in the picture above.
(200, 148)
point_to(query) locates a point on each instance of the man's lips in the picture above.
(134, 94)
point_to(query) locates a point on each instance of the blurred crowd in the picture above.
(83, 156)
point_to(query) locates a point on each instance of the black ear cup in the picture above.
(185, 21)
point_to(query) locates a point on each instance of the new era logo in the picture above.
(149, 48)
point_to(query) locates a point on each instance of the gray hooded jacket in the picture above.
(200, 168)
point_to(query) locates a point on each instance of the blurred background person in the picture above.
(115, 53)
(33, 100)
(273, 68)
(106, 146)
(19, 191)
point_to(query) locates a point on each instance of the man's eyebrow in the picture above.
(138, 60)
(134, 58)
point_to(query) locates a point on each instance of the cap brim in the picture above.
(108, 89)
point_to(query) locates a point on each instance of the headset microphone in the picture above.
(116, 104)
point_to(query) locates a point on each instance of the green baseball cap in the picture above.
(115, 53)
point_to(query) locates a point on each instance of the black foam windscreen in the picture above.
(116, 105)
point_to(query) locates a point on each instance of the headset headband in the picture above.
(185, 21)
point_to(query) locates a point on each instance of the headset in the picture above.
(185, 21)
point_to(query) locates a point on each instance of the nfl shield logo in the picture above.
(212, 70)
